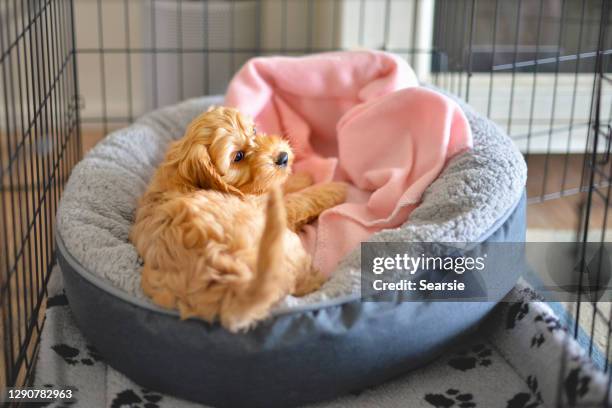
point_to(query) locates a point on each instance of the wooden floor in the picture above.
(90, 137)
(563, 174)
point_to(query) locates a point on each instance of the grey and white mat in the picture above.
(513, 361)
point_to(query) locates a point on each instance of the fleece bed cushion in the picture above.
(312, 348)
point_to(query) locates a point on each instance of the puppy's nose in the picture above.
(282, 159)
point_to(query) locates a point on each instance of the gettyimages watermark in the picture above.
(560, 271)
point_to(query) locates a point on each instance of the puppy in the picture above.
(217, 237)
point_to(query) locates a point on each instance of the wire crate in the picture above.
(73, 70)
(39, 144)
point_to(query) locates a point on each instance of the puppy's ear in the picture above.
(195, 167)
(220, 151)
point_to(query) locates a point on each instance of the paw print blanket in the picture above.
(358, 117)
(508, 363)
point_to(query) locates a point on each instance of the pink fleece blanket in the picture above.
(358, 117)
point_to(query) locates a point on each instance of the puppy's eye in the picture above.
(254, 130)
(239, 156)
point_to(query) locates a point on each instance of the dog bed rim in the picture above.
(117, 292)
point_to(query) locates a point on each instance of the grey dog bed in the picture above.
(312, 348)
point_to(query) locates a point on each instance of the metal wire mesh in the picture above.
(595, 225)
(39, 144)
(527, 64)
(539, 68)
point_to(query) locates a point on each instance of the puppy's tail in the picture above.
(267, 286)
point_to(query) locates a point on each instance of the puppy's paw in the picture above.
(297, 182)
(309, 283)
(237, 324)
(335, 192)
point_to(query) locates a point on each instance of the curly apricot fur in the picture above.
(216, 234)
